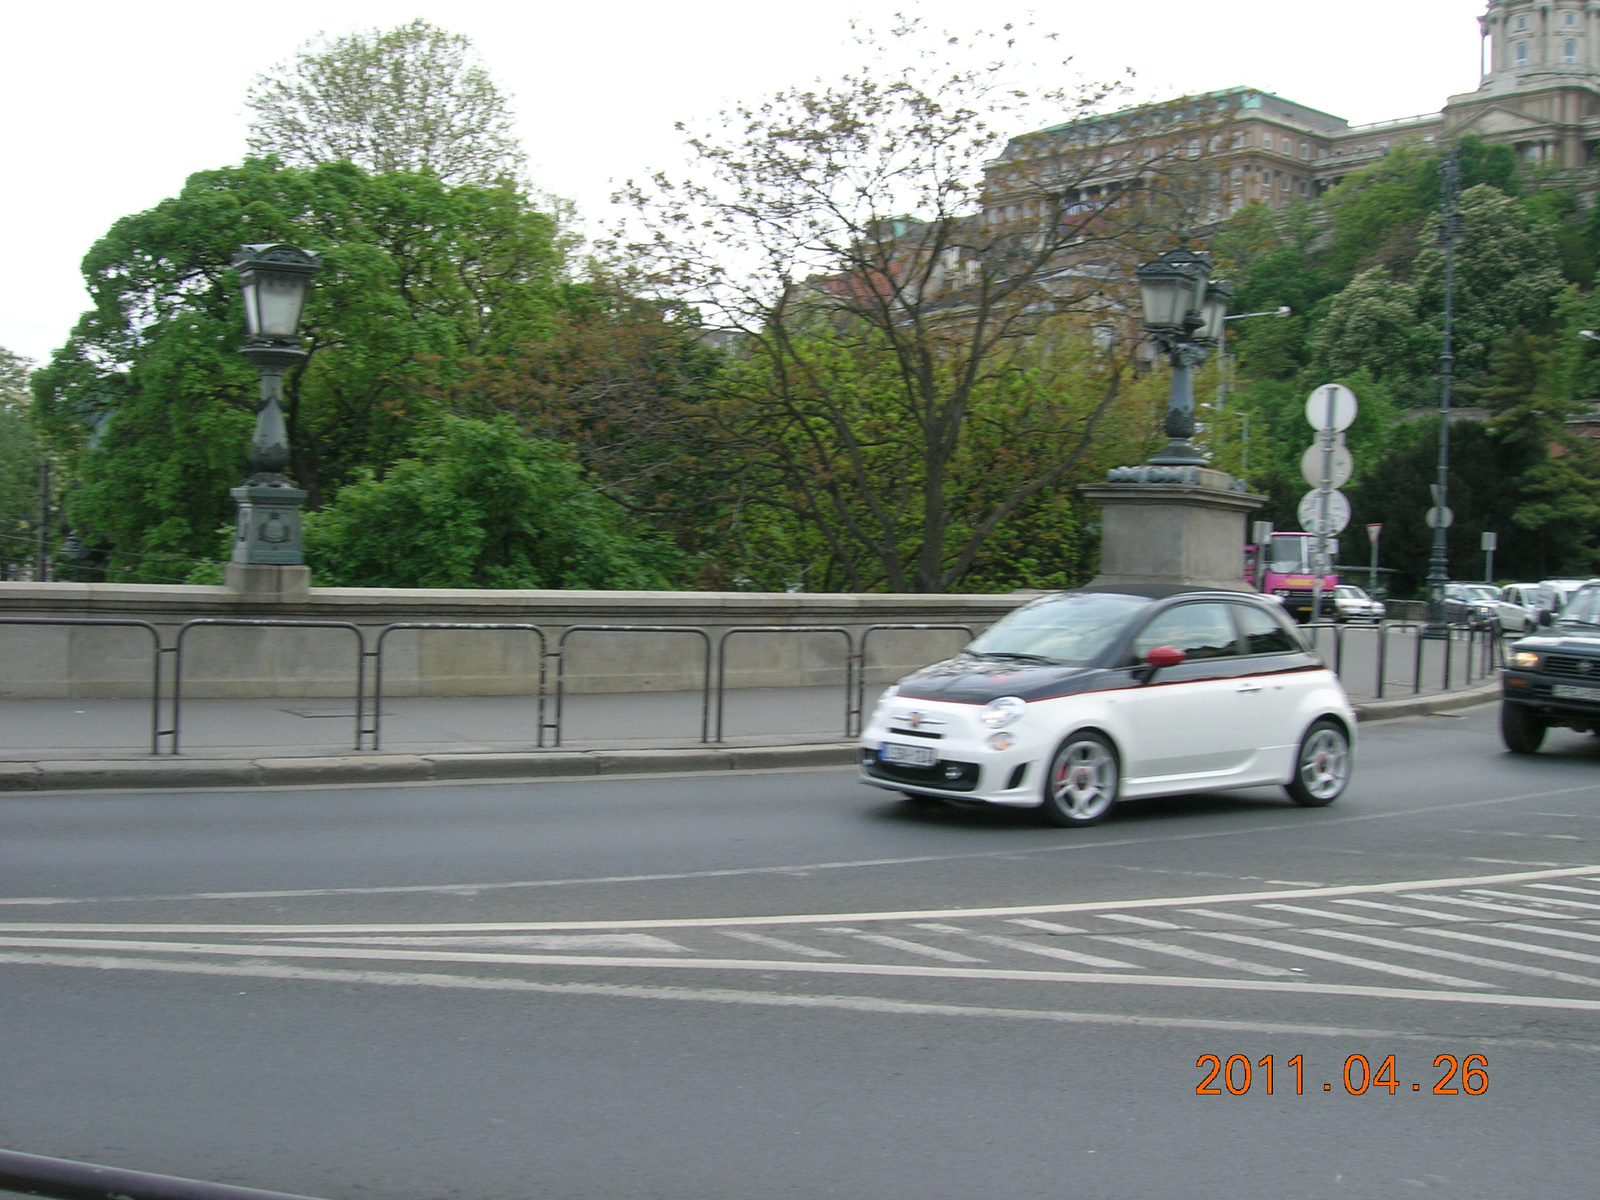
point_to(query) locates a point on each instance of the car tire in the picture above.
(1321, 766)
(1520, 730)
(1083, 782)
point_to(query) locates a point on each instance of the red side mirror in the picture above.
(1164, 656)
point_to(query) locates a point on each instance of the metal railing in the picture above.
(263, 623)
(559, 654)
(1484, 654)
(850, 663)
(376, 654)
(155, 657)
(62, 1179)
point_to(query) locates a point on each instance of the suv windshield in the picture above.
(1070, 630)
(1583, 607)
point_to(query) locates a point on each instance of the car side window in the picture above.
(1199, 630)
(1263, 633)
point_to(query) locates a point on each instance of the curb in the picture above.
(112, 774)
(1421, 706)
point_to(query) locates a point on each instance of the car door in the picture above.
(1273, 683)
(1188, 721)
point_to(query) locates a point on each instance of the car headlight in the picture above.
(1526, 659)
(889, 693)
(997, 714)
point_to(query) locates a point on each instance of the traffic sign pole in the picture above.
(1324, 490)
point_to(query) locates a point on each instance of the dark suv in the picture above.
(1553, 677)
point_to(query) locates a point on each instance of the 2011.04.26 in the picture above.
(1236, 1075)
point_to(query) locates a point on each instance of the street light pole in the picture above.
(1438, 561)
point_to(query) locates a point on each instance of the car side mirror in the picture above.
(1546, 618)
(1158, 657)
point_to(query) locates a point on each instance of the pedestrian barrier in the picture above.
(376, 654)
(850, 662)
(155, 658)
(262, 623)
(1484, 650)
(559, 654)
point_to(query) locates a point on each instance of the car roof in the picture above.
(1162, 591)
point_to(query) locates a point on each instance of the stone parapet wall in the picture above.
(63, 661)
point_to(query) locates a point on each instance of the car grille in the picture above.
(936, 776)
(921, 733)
(1572, 666)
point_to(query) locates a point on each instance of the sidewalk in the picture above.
(55, 745)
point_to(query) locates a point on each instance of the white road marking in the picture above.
(1089, 906)
(1238, 918)
(1485, 906)
(1455, 956)
(1130, 919)
(1077, 956)
(280, 971)
(537, 941)
(784, 944)
(1346, 959)
(1047, 926)
(1547, 900)
(1214, 960)
(1561, 887)
(1525, 947)
(1406, 911)
(894, 943)
(1571, 934)
(1327, 914)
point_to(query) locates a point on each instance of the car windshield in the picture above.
(1289, 555)
(1483, 592)
(1070, 630)
(1584, 607)
(1350, 592)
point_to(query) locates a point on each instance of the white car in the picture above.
(1520, 606)
(1350, 603)
(1080, 699)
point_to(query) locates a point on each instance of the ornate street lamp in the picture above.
(1184, 313)
(275, 279)
(1451, 231)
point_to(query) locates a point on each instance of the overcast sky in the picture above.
(108, 107)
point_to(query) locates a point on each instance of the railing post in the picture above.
(1383, 647)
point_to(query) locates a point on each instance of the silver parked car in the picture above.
(1351, 603)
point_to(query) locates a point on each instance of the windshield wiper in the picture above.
(1016, 656)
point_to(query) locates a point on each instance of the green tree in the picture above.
(421, 281)
(413, 98)
(477, 504)
(19, 462)
(1371, 326)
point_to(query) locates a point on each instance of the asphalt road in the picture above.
(789, 985)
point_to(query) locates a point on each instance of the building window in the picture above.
(1238, 174)
(1522, 23)
(1194, 147)
(1569, 52)
(1238, 141)
(1521, 54)
(1305, 151)
(1216, 142)
(1569, 19)
(1303, 187)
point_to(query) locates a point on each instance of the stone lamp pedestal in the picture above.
(1173, 527)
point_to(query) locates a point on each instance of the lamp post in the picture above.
(1439, 562)
(1184, 313)
(274, 279)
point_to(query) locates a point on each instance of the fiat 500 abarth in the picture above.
(1081, 699)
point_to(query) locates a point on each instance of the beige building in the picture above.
(1539, 91)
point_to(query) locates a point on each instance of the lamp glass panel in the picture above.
(252, 311)
(280, 299)
(1165, 300)
(1216, 308)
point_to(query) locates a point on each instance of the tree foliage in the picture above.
(19, 461)
(410, 99)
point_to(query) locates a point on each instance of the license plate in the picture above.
(1565, 691)
(910, 756)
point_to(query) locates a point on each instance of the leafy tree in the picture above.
(421, 280)
(413, 98)
(899, 386)
(477, 504)
(1371, 326)
(19, 462)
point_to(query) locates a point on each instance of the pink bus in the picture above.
(1288, 573)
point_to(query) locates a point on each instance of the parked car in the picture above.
(1471, 603)
(1553, 677)
(1078, 700)
(1351, 603)
(1520, 606)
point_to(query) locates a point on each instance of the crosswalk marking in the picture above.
(1047, 926)
(1545, 915)
(1147, 922)
(1401, 908)
(1349, 918)
(1556, 887)
(1547, 951)
(1571, 934)
(1077, 956)
(1348, 960)
(1557, 901)
(1213, 960)
(1453, 955)
(774, 943)
(894, 943)
(1237, 918)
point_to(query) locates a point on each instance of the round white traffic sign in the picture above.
(1341, 467)
(1440, 516)
(1338, 513)
(1332, 406)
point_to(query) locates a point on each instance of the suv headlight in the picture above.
(1526, 659)
(997, 714)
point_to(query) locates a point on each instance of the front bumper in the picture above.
(1559, 701)
(966, 769)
